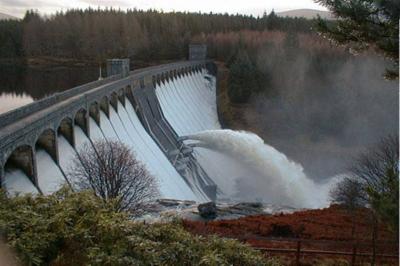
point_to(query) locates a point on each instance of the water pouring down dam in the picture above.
(268, 175)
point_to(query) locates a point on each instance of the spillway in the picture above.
(16, 182)
(189, 105)
(80, 138)
(125, 126)
(107, 128)
(95, 132)
(50, 177)
(68, 155)
(171, 183)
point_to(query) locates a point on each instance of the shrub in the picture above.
(281, 230)
(69, 228)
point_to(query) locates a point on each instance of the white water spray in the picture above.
(271, 177)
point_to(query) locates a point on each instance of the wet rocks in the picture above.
(208, 210)
(175, 203)
(169, 209)
(240, 209)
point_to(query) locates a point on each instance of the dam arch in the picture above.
(47, 140)
(105, 106)
(81, 119)
(66, 129)
(23, 157)
(94, 112)
(129, 94)
(114, 100)
(121, 96)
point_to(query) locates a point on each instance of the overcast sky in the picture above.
(256, 7)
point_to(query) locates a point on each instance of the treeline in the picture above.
(146, 35)
(262, 62)
(11, 35)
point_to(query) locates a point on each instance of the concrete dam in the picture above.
(147, 109)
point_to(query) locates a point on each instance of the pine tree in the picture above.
(291, 44)
(366, 23)
(242, 81)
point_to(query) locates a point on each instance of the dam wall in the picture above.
(189, 105)
(39, 141)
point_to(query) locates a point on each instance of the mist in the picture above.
(322, 107)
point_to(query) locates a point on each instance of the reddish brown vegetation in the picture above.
(326, 229)
(332, 223)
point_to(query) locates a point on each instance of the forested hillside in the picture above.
(145, 35)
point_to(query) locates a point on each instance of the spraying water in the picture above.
(271, 176)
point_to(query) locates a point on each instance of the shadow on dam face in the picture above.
(48, 141)
(23, 158)
(66, 129)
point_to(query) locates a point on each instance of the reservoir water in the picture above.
(21, 85)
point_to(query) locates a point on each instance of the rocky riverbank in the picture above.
(167, 209)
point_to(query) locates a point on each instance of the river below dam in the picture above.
(21, 85)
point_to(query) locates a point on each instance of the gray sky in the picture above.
(256, 7)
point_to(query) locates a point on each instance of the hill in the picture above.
(5, 16)
(306, 13)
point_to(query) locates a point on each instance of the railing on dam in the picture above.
(41, 121)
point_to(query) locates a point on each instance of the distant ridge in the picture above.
(5, 16)
(306, 13)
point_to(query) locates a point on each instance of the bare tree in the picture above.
(374, 181)
(110, 169)
(350, 194)
(377, 169)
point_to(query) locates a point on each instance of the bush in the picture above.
(281, 230)
(69, 228)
